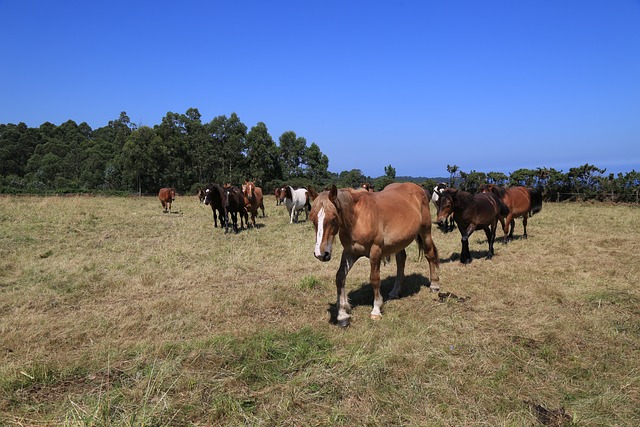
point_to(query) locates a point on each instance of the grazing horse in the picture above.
(213, 197)
(449, 223)
(471, 212)
(521, 201)
(201, 193)
(166, 196)
(376, 226)
(280, 194)
(367, 187)
(295, 201)
(233, 203)
(253, 200)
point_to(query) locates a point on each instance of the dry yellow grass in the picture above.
(113, 313)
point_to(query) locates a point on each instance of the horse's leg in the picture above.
(513, 226)
(524, 225)
(262, 207)
(293, 210)
(401, 259)
(226, 220)
(375, 257)
(491, 232)
(344, 308)
(505, 227)
(430, 251)
(465, 256)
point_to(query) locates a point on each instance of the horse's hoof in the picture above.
(344, 323)
(434, 287)
(376, 316)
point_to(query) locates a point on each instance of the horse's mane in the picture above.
(344, 210)
(463, 199)
(497, 190)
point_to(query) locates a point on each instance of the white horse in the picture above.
(448, 224)
(295, 201)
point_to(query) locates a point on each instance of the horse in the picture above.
(213, 197)
(280, 194)
(367, 187)
(253, 199)
(295, 201)
(201, 193)
(376, 226)
(522, 202)
(166, 196)
(449, 223)
(233, 203)
(471, 212)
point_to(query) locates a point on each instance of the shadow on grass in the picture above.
(413, 283)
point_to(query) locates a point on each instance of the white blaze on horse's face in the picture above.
(319, 233)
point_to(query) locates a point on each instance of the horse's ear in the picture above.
(333, 194)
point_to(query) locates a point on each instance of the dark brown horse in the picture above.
(471, 212)
(213, 198)
(521, 201)
(253, 199)
(233, 204)
(376, 226)
(166, 196)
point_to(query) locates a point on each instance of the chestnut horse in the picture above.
(521, 201)
(166, 196)
(253, 199)
(280, 194)
(471, 212)
(376, 226)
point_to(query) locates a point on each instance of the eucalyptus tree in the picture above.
(143, 155)
(262, 156)
(292, 150)
(316, 165)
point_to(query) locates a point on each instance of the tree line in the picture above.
(185, 153)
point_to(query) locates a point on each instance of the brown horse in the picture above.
(521, 201)
(201, 194)
(376, 226)
(253, 200)
(166, 196)
(480, 211)
(280, 194)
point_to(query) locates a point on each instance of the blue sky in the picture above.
(485, 85)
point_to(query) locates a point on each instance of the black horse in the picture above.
(213, 197)
(233, 203)
(480, 211)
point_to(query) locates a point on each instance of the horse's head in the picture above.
(445, 206)
(207, 196)
(249, 189)
(324, 216)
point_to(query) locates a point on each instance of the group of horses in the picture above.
(228, 202)
(377, 225)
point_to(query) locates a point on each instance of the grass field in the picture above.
(113, 313)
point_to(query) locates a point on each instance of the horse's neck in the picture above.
(463, 201)
(346, 203)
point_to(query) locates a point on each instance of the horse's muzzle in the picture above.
(324, 257)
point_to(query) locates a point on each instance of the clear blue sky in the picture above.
(485, 85)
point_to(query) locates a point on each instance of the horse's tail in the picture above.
(504, 209)
(536, 201)
(422, 249)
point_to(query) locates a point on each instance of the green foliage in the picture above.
(185, 153)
